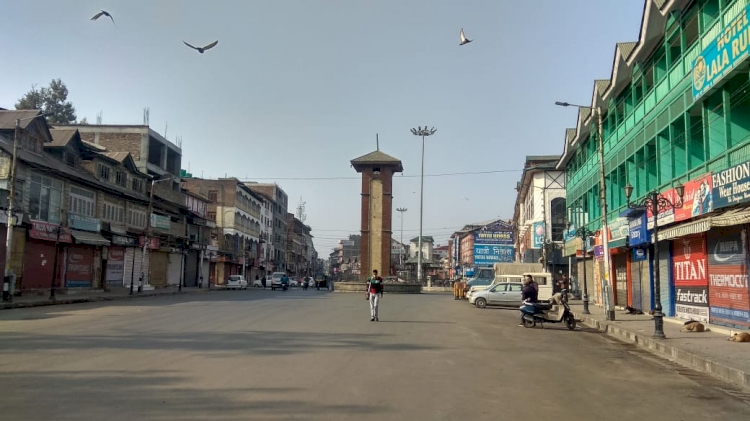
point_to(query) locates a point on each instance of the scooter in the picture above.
(533, 313)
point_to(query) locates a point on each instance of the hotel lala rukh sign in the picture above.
(722, 54)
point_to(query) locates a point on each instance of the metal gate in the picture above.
(665, 275)
(159, 264)
(191, 269)
(134, 263)
(620, 262)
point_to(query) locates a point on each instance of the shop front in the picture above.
(84, 257)
(728, 300)
(640, 285)
(42, 250)
(689, 266)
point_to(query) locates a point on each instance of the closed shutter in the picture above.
(191, 269)
(635, 283)
(133, 268)
(174, 269)
(38, 266)
(158, 263)
(665, 275)
(620, 263)
(646, 284)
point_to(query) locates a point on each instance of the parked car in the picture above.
(500, 294)
(236, 282)
(276, 280)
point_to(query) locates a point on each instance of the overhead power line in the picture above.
(398, 176)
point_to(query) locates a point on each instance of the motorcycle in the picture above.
(533, 313)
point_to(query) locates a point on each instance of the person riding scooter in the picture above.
(529, 294)
(284, 283)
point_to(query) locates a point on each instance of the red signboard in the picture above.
(690, 278)
(728, 288)
(46, 231)
(696, 199)
(80, 267)
(153, 243)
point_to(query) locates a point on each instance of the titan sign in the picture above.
(732, 185)
(724, 53)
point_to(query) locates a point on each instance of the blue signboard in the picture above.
(731, 186)
(487, 255)
(637, 230)
(639, 255)
(493, 237)
(721, 55)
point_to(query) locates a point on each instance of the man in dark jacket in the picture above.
(528, 294)
(374, 293)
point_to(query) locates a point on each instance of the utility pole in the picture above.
(422, 132)
(403, 249)
(148, 230)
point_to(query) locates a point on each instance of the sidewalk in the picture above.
(34, 300)
(709, 352)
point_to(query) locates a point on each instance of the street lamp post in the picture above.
(655, 202)
(7, 287)
(422, 132)
(584, 234)
(403, 249)
(610, 310)
(148, 229)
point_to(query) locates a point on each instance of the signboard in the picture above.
(79, 268)
(639, 255)
(637, 230)
(115, 270)
(690, 278)
(721, 55)
(16, 220)
(618, 228)
(538, 235)
(153, 243)
(122, 240)
(666, 216)
(160, 222)
(46, 231)
(697, 199)
(83, 223)
(731, 186)
(488, 255)
(493, 237)
(727, 286)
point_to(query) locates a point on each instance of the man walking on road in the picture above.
(374, 293)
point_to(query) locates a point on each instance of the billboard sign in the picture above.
(488, 255)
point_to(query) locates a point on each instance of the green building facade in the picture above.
(676, 110)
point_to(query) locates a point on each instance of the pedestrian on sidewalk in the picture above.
(374, 294)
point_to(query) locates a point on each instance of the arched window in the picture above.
(557, 218)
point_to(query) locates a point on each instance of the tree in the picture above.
(52, 100)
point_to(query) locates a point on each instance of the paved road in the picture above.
(262, 355)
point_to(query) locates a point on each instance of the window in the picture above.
(114, 213)
(136, 218)
(515, 287)
(45, 196)
(81, 201)
(213, 195)
(137, 185)
(121, 179)
(212, 216)
(70, 160)
(103, 171)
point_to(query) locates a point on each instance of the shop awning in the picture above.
(92, 238)
(732, 217)
(687, 228)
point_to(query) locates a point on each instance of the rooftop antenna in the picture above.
(99, 118)
(301, 211)
(146, 116)
(166, 125)
(377, 142)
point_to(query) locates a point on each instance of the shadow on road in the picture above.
(153, 395)
(212, 343)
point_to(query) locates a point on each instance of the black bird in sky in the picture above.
(104, 13)
(202, 49)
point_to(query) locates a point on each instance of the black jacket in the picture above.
(530, 293)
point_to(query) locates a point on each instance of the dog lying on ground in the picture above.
(740, 337)
(631, 310)
(693, 326)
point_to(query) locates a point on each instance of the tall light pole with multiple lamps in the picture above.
(403, 249)
(610, 309)
(422, 132)
(7, 287)
(655, 202)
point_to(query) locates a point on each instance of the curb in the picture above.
(95, 299)
(666, 351)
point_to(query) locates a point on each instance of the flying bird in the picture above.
(104, 13)
(464, 40)
(202, 49)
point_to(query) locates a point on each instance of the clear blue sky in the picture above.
(296, 89)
